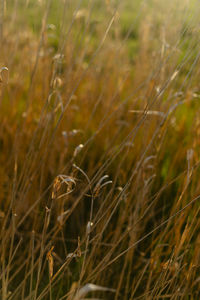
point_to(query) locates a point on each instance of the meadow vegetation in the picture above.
(99, 149)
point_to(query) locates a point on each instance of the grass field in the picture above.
(99, 149)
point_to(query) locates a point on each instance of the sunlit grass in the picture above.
(99, 150)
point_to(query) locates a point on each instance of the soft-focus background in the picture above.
(99, 149)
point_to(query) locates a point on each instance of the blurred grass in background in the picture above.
(99, 149)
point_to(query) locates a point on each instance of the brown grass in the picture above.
(99, 151)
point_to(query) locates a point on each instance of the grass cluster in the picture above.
(99, 149)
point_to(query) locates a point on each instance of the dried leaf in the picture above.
(50, 260)
(90, 287)
(4, 73)
(59, 180)
(79, 253)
